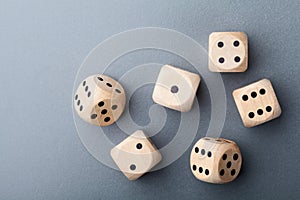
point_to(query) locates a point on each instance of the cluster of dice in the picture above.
(100, 100)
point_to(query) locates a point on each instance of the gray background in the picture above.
(42, 47)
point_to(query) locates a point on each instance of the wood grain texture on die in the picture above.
(175, 88)
(257, 103)
(100, 100)
(228, 52)
(215, 160)
(136, 155)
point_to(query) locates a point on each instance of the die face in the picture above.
(175, 88)
(136, 155)
(229, 164)
(208, 162)
(105, 112)
(99, 100)
(228, 52)
(257, 103)
(202, 160)
(84, 98)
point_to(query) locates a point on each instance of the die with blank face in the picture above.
(257, 103)
(215, 160)
(136, 155)
(175, 88)
(99, 100)
(228, 52)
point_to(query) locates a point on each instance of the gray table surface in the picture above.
(43, 43)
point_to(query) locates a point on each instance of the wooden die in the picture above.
(175, 88)
(228, 52)
(136, 155)
(215, 160)
(99, 100)
(257, 103)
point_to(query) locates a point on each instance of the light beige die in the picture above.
(257, 103)
(215, 160)
(136, 155)
(228, 52)
(175, 88)
(99, 100)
